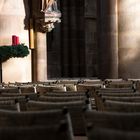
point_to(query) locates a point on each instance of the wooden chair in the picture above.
(17, 94)
(60, 99)
(116, 90)
(113, 120)
(27, 89)
(34, 118)
(49, 88)
(68, 81)
(88, 87)
(118, 94)
(123, 98)
(66, 94)
(53, 132)
(74, 107)
(99, 97)
(94, 133)
(119, 106)
(119, 83)
(9, 90)
(6, 98)
(92, 81)
(71, 87)
(10, 105)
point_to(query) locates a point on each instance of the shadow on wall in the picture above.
(129, 65)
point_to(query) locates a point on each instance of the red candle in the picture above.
(13, 39)
(17, 40)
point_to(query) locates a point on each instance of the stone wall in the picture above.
(117, 32)
(12, 17)
(108, 38)
(72, 48)
(129, 38)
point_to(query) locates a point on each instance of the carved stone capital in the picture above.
(47, 24)
(46, 16)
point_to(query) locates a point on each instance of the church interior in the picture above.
(69, 70)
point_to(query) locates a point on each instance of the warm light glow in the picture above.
(31, 35)
(129, 30)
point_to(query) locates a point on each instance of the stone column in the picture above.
(40, 51)
(107, 38)
(41, 56)
(91, 38)
(129, 38)
(12, 17)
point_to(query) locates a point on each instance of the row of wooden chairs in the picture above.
(102, 125)
(71, 86)
(106, 98)
(118, 112)
(75, 102)
(75, 110)
(90, 121)
(36, 125)
(111, 134)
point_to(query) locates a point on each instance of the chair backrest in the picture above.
(17, 94)
(121, 94)
(6, 98)
(53, 132)
(116, 90)
(49, 88)
(61, 99)
(68, 81)
(114, 120)
(71, 87)
(99, 97)
(94, 133)
(120, 84)
(27, 89)
(85, 87)
(65, 94)
(120, 106)
(74, 107)
(123, 98)
(9, 90)
(9, 105)
(33, 118)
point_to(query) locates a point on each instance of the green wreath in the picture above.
(7, 52)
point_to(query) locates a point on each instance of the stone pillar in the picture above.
(129, 38)
(107, 38)
(41, 56)
(12, 17)
(40, 51)
(91, 38)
